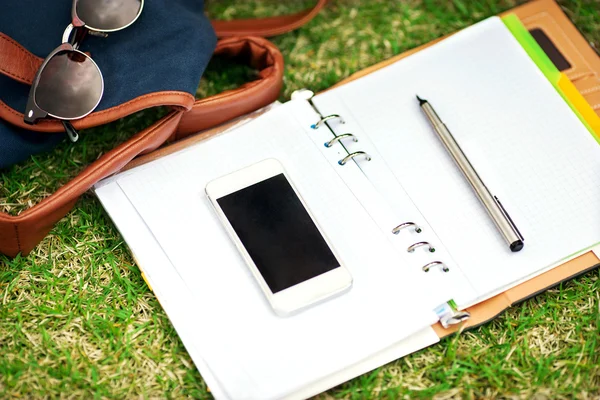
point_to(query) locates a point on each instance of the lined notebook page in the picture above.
(522, 138)
(246, 346)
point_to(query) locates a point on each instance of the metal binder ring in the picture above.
(403, 225)
(414, 246)
(341, 137)
(302, 94)
(440, 264)
(349, 157)
(327, 118)
(456, 318)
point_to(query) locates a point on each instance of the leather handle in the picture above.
(256, 52)
(205, 113)
(20, 234)
(16, 62)
(266, 27)
(21, 65)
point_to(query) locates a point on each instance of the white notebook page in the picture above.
(178, 302)
(249, 350)
(522, 138)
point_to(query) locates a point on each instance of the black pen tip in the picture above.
(421, 101)
(516, 246)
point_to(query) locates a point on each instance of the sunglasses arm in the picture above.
(71, 131)
(97, 33)
(33, 113)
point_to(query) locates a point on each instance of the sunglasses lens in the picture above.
(70, 86)
(108, 15)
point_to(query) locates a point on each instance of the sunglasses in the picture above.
(69, 84)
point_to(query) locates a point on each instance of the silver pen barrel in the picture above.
(491, 203)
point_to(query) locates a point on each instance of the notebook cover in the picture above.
(574, 69)
(573, 57)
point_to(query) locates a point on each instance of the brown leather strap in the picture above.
(21, 65)
(176, 99)
(256, 52)
(22, 233)
(16, 62)
(266, 27)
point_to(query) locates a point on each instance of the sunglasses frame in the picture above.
(79, 23)
(33, 112)
(72, 36)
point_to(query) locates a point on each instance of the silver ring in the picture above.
(457, 318)
(344, 160)
(403, 225)
(327, 118)
(440, 264)
(414, 246)
(302, 94)
(341, 137)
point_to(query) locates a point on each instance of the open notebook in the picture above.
(524, 140)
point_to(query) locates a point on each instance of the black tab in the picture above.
(557, 58)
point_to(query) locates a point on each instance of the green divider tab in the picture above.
(533, 49)
(543, 62)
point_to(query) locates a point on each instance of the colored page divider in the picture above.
(560, 81)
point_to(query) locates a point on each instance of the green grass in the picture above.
(77, 320)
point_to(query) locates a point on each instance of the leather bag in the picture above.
(158, 61)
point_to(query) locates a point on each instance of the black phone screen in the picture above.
(278, 233)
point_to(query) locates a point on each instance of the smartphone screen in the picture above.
(278, 233)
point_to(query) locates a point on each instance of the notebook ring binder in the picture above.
(341, 137)
(439, 264)
(456, 317)
(403, 225)
(303, 94)
(349, 157)
(327, 118)
(414, 246)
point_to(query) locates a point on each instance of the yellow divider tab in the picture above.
(559, 80)
(579, 105)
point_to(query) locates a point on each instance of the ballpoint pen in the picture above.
(492, 204)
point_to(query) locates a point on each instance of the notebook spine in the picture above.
(447, 313)
(359, 156)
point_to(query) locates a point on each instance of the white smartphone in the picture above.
(279, 239)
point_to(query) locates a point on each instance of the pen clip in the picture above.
(508, 218)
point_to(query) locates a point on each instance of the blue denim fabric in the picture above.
(167, 48)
